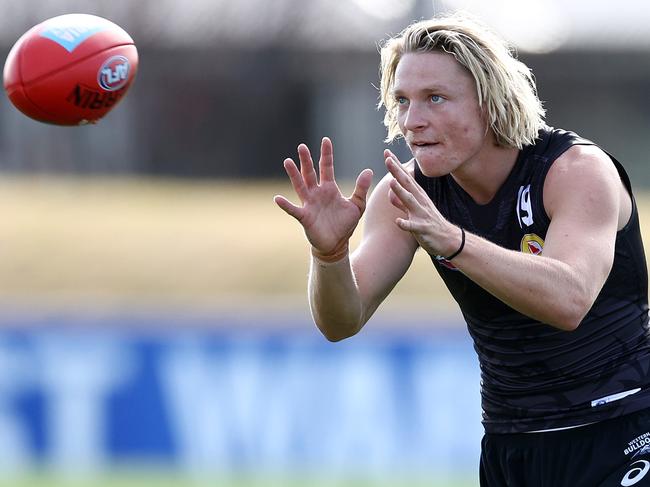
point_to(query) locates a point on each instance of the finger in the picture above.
(307, 166)
(410, 225)
(388, 153)
(409, 170)
(395, 201)
(361, 187)
(295, 211)
(404, 178)
(404, 224)
(296, 179)
(326, 162)
(396, 168)
(407, 199)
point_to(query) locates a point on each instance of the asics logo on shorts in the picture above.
(635, 474)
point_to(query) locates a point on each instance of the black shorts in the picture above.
(612, 453)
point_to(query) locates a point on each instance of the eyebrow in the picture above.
(427, 89)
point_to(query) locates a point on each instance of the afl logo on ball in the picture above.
(114, 73)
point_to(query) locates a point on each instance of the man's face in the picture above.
(438, 112)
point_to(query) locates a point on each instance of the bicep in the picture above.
(581, 197)
(385, 252)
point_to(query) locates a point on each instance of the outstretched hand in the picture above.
(328, 218)
(421, 218)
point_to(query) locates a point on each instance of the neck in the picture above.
(482, 177)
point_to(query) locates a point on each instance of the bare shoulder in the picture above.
(586, 159)
(582, 172)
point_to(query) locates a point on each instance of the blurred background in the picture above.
(154, 325)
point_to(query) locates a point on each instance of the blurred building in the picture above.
(228, 89)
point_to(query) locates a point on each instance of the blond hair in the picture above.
(505, 86)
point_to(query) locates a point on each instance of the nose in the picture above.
(414, 118)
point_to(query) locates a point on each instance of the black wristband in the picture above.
(462, 244)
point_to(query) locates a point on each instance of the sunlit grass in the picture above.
(200, 243)
(137, 240)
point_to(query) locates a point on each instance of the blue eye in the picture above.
(436, 99)
(401, 100)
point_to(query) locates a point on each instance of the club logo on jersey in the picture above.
(524, 207)
(114, 73)
(643, 451)
(638, 445)
(532, 243)
(444, 262)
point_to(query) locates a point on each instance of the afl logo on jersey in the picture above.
(532, 244)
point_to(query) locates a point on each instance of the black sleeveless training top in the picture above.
(534, 376)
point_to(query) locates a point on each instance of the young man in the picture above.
(536, 234)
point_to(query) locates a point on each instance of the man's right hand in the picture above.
(328, 218)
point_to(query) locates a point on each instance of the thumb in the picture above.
(361, 187)
(293, 210)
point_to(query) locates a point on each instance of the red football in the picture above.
(70, 70)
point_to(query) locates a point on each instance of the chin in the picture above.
(431, 169)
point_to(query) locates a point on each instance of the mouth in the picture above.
(423, 145)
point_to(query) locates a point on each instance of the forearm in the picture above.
(543, 288)
(334, 298)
